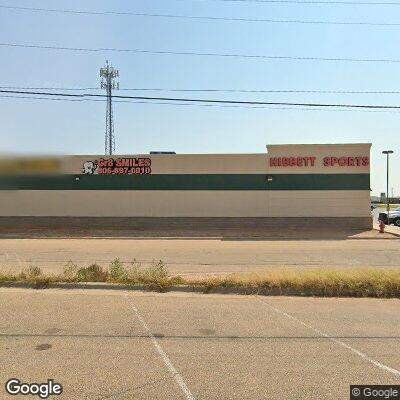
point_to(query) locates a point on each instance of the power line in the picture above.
(189, 53)
(269, 91)
(200, 17)
(46, 98)
(211, 101)
(308, 2)
(48, 88)
(166, 103)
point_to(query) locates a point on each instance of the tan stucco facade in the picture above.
(88, 203)
(269, 201)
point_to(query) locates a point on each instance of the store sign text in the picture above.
(118, 166)
(359, 161)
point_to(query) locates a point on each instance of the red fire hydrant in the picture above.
(381, 226)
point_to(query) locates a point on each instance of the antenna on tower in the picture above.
(108, 82)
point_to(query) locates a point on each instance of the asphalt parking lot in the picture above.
(103, 344)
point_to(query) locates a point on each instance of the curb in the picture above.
(185, 289)
(220, 238)
(181, 289)
(116, 286)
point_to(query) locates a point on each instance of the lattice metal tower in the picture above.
(108, 82)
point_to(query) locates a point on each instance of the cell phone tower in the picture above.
(108, 82)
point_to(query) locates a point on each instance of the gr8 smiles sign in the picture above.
(118, 166)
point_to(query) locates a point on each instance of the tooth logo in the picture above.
(89, 167)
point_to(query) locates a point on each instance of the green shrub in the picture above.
(118, 272)
(151, 274)
(157, 271)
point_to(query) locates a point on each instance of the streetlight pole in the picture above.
(387, 152)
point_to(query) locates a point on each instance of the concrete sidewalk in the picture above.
(391, 229)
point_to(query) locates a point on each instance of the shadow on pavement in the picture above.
(228, 234)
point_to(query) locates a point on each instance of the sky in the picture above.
(60, 127)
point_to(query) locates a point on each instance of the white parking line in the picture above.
(337, 341)
(177, 377)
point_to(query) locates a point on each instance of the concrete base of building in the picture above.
(183, 224)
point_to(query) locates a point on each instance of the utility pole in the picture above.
(387, 152)
(108, 75)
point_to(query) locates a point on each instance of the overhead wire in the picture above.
(211, 101)
(269, 91)
(191, 53)
(311, 2)
(200, 17)
(201, 105)
(49, 88)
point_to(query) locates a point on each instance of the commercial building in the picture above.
(322, 183)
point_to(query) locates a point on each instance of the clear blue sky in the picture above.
(37, 126)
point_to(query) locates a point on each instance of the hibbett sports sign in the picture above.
(309, 161)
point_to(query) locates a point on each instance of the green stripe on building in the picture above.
(189, 182)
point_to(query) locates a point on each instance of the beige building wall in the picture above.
(204, 203)
(323, 203)
(89, 203)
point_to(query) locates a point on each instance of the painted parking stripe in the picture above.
(337, 341)
(168, 363)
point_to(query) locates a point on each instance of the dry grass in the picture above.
(8, 277)
(295, 282)
(34, 276)
(391, 206)
(327, 283)
(155, 277)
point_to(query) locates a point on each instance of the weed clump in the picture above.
(139, 274)
(70, 272)
(118, 273)
(31, 273)
(92, 273)
(34, 276)
(154, 277)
